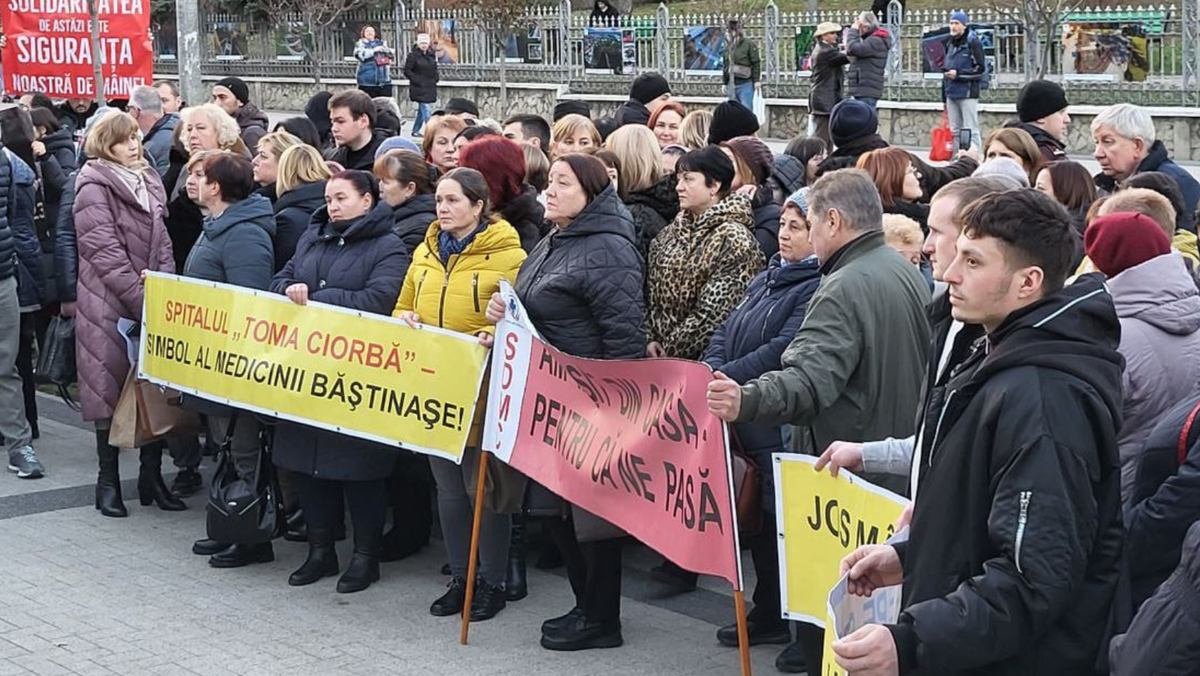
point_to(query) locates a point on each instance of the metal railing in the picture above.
(1142, 54)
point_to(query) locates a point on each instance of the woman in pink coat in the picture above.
(119, 205)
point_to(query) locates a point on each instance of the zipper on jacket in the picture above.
(420, 283)
(475, 291)
(1022, 520)
(937, 430)
(445, 287)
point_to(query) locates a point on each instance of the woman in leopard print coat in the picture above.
(700, 265)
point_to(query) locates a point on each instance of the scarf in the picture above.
(132, 179)
(449, 246)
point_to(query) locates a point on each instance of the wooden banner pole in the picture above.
(739, 602)
(479, 494)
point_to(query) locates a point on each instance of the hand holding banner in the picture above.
(821, 519)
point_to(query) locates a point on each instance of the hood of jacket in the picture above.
(250, 116)
(1040, 136)
(59, 140)
(419, 204)
(789, 172)
(780, 277)
(660, 197)
(375, 223)
(254, 209)
(1159, 292)
(632, 112)
(604, 214)
(306, 196)
(733, 209)
(497, 237)
(1074, 331)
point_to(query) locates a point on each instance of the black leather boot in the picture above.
(297, 529)
(364, 564)
(487, 601)
(516, 584)
(108, 483)
(187, 483)
(583, 634)
(238, 556)
(322, 559)
(151, 487)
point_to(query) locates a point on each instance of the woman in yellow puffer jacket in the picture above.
(453, 275)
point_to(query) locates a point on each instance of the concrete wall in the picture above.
(902, 123)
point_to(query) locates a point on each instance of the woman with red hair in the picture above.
(502, 163)
(898, 181)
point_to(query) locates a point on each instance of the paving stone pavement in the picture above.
(88, 596)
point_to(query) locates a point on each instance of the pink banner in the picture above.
(629, 441)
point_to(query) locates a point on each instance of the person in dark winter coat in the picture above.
(118, 217)
(867, 47)
(316, 109)
(1018, 513)
(74, 114)
(652, 209)
(855, 126)
(235, 247)
(352, 116)
(1042, 112)
(648, 193)
(748, 344)
(603, 14)
(421, 70)
(158, 127)
(753, 160)
(731, 119)
(57, 141)
(301, 188)
(898, 181)
(1126, 145)
(406, 185)
(233, 96)
(646, 94)
(828, 64)
(502, 163)
(582, 288)
(963, 70)
(1163, 502)
(349, 257)
(1162, 638)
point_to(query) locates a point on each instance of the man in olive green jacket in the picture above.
(855, 368)
(743, 66)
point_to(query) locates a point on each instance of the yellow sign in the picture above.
(821, 519)
(351, 372)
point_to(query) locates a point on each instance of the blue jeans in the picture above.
(744, 94)
(874, 103)
(423, 115)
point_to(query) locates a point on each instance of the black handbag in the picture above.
(244, 510)
(56, 361)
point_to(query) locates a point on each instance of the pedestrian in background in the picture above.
(374, 63)
(743, 66)
(421, 70)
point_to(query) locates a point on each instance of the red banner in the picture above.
(629, 441)
(49, 47)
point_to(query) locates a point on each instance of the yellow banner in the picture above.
(821, 519)
(351, 372)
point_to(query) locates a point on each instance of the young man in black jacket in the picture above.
(1011, 564)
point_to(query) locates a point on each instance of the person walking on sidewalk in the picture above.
(963, 69)
(421, 70)
(743, 66)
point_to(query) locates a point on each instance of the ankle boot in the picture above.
(322, 559)
(516, 586)
(364, 564)
(151, 487)
(108, 483)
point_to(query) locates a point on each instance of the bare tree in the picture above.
(498, 19)
(1040, 19)
(312, 19)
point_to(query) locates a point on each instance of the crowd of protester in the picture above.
(1003, 338)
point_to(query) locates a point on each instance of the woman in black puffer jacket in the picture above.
(648, 193)
(406, 184)
(582, 288)
(300, 186)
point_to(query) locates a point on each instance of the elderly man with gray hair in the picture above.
(867, 46)
(1126, 145)
(855, 368)
(145, 106)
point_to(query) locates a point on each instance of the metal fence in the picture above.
(1145, 54)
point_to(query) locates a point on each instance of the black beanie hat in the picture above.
(649, 86)
(731, 119)
(852, 119)
(1040, 99)
(239, 88)
(565, 108)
